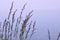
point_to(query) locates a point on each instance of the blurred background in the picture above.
(46, 13)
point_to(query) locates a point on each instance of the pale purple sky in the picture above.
(35, 4)
(42, 5)
(46, 13)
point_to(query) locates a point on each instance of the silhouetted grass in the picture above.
(11, 32)
(49, 37)
(58, 36)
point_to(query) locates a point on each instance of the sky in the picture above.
(46, 13)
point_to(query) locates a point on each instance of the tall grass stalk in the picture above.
(11, 32)
(49, 37)
(58, 36)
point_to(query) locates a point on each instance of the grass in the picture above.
(49, 37)
(13, 29)
(11, 32)
(58, 36)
